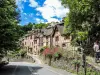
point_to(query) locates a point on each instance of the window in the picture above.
(25, 43)
(41, 44)
(31, 37)
(31, 50)
(36, 47)
(32, 43)
(47, 38)
(46, 43)
(57, 38)
(41, 40)
(63, 45)
(66, 37)
(35, 41)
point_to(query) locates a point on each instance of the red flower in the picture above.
(49, 51)
(46, 51)
(55, 49)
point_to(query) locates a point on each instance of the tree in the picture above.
(19, 30)
(8, 22)
(27, 27)
(22, 30)
(40, 25)
(82, 22)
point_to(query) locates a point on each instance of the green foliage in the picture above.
(27, 27)
(49, 56)
(83, 19)
(76, 62)
(82, 35)
(22, 53)
(90, 71)
(22, 30)
(9, 17)
(40, 26)
(43, 48)
(56, 55)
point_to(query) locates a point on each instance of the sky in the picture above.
(41, 11)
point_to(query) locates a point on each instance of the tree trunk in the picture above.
(50, 60)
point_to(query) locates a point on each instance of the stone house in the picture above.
(59, 38)
(47, 36)
(50, 36)
(33, 42)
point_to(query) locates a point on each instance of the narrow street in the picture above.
(25, 68)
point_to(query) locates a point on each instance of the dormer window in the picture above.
(66, 37)
(35, 41)
(31, 37)
(47, 38)
(63, 45)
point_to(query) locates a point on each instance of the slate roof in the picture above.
(50, 30)
(47, 31)
(60, 29)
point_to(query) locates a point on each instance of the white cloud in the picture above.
(25, 14)
(24, 0)
(31, 15)
(39, 20)
(20, 5)
(26, 22)
(26, 18)
(52, 8)
(45, 12)
(52, 20)
(33, 3)
(20, 1)
(38, 14)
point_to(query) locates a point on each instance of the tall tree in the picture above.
(8, 22)
(40, 25)
(21, 30)
(83, 19)
(27, 27)
(83, 22)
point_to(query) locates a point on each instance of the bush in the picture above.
(76, 62)
(57, 55)
(43, 48)
(22, 53)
